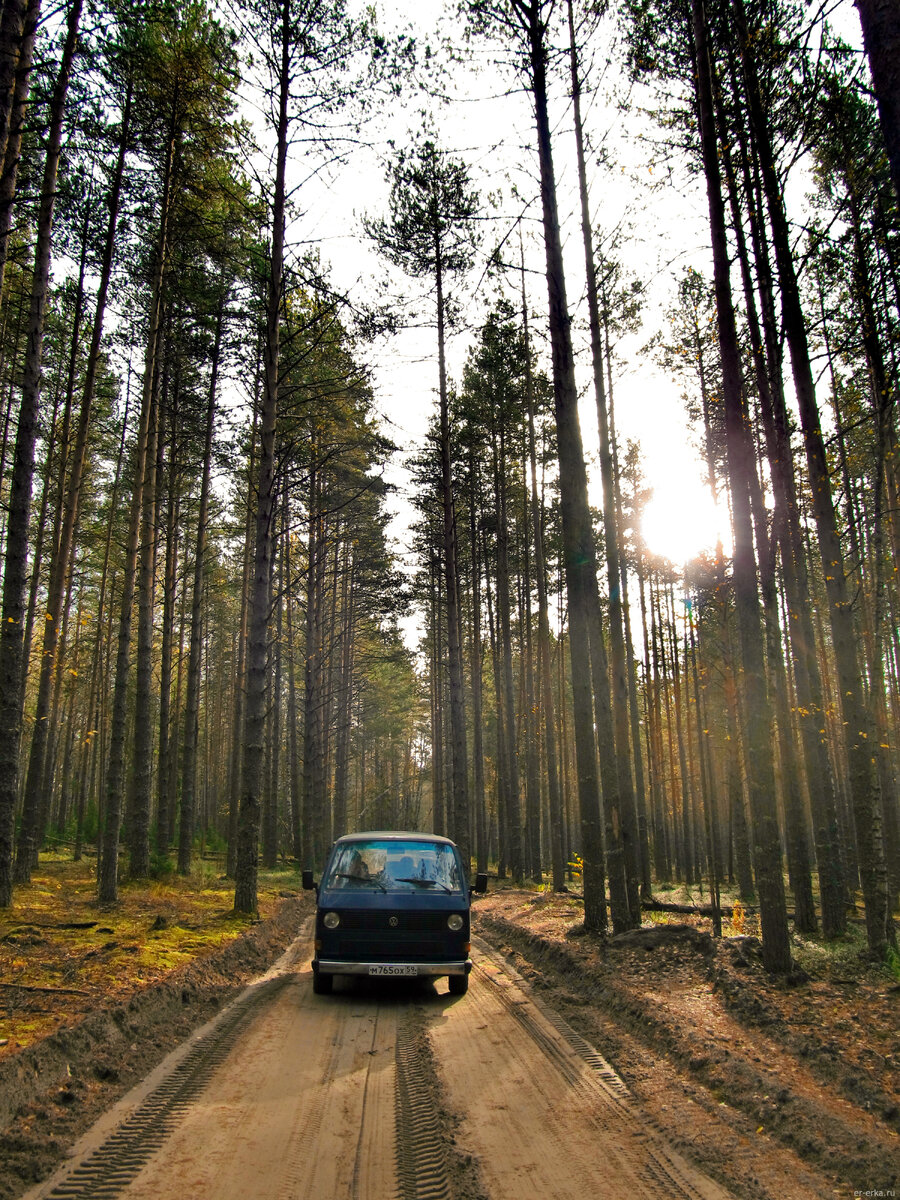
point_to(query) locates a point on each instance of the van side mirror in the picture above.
(480, 882)
(309, 884)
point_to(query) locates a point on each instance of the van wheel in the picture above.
(322, 983)
(459, 984)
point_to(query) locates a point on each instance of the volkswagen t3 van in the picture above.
(393, 905)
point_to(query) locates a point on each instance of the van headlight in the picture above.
(455, 922)
(331, 920)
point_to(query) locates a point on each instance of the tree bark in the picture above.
(578, 538)
(757, 716)
(459, 766)
(864, 786)
(12, 655)
(192, 700)
(880, 20)
(623, 749)
(107, 881)
(247, 855)
(13, 142)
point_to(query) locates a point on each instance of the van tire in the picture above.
(459, 984)
(322, 983)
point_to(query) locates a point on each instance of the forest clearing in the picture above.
(335, 342)
(770, 1090)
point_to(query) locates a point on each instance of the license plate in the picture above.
(392, 969)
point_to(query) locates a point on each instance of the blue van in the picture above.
(393, 905)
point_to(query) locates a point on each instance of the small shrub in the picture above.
(161, 866)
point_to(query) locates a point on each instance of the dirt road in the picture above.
(381, 1090)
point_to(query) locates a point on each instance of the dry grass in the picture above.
(62, 953)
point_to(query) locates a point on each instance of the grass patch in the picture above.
(62, 953)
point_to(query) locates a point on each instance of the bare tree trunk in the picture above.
(247, 857)
(437, 705)
(237, 723)
(138, 794)
(12, 143)
(293, 716)
(761, 774)
(545, 705)
(170, 584)
(531, 712)
(107, 880)
(507, 710)
(459, 765)
(475, 672)
(864, 787)
(344, 697)
(880, 20)
(192, 701)
(12, 23)
(627, 809)
(794, 567)
(11, 643)
(578, 538)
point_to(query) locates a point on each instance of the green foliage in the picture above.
(162, 867)
(431, 230)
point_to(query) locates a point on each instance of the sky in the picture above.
(664, 222)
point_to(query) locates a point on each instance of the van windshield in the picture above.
(395, 866)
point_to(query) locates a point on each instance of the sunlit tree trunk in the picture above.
(864, 788)
(757, 716)
(578, 544)
(623, 749)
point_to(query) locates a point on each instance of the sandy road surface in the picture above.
(290, 1095)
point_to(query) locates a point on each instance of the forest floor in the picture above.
(775, 1089)
(93, 996)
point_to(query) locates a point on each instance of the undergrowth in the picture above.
(59, 947)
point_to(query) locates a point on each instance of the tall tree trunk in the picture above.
(273, 739)
(70, 493)
(170, 585)
(138, 795)
(459, 765)
(11, 643)
(627, 809)
(507, 711)
(192, 700)
(545, 706)
(436, 675)
(293, 716)
(769, 373)
(880, 20)
(13, 142)
(237, 721)
(12, 22)
(578, 537)
(531, 712)
(475, 673)
(761, 773)
(107, 881)
(344, 697)
(247, 856)
(864, 787)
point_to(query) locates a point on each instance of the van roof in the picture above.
(385, 835)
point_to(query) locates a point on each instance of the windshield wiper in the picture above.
(361, 879)
(426, 883)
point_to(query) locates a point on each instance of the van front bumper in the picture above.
(387, 969)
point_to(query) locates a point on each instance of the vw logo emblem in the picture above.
(393, 922)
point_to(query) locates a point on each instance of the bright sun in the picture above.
(681, 521)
